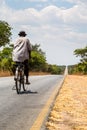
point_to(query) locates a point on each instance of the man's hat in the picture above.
(22, 33)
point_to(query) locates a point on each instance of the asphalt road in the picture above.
(19, 112)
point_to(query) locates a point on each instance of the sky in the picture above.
(59, 26)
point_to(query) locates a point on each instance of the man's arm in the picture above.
(29, 48)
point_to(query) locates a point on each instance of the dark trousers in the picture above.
(26, 68)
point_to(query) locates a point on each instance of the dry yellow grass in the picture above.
(7, 73)
(4, 73)
(70, 108)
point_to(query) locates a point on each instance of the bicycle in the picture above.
(19, 77)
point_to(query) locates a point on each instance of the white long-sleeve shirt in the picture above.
(21, 49)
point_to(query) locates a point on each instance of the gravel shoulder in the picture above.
(70, 108)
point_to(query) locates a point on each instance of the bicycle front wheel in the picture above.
(18, 82)
(18, 86)
(23, 85)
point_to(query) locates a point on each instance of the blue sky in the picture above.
(59, 26)
(37, 4)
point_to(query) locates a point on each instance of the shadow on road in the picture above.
(28, 92)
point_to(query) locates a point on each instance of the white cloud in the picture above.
(54, 28)
(36, 0)
(50, 15)
(2, 2)
(77, 1)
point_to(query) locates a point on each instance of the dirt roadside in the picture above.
(7, 73)
(70, 108)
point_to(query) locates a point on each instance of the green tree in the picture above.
(37, 48)
(38, 60)
(6, 53)
(82, 53)
(6, 59)
(54, 69)
(5, 33)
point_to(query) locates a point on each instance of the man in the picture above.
(22, 52)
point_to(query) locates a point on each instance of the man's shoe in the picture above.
(27, 82)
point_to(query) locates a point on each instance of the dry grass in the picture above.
(4, 73)
(39, 73)
(70, 108)
(7, 73)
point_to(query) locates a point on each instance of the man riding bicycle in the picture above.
(22, 52)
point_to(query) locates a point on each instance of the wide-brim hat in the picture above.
(22, 33)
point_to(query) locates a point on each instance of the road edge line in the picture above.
(43, 114)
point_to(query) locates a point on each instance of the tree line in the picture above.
(81, 67)
(36, 63)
